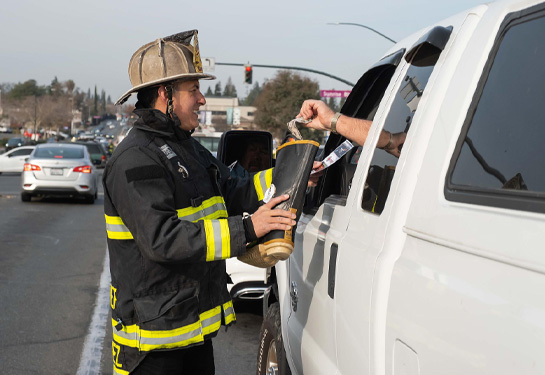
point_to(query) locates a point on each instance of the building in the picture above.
(222, 114)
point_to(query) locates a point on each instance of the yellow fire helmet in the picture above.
(166, 59)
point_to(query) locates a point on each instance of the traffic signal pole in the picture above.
(291, 68)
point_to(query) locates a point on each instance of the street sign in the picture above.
(334, 93)
(236, 116)
(208, 64)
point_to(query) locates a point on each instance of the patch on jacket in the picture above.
(146, 172)
(167, 151)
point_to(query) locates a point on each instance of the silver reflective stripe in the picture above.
(215, 319)
(263, 181)
(159, 341)
(229, 310)
(116, 228)
(203, 213)
(218, 245)
(122, 336)
(149, 340)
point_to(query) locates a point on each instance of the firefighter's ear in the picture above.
(161, 90)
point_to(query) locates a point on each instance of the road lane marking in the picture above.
(92, 348)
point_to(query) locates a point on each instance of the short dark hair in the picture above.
(147, 97)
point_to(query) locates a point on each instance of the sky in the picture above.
(91, 42)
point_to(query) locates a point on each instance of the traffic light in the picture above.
(248, 74)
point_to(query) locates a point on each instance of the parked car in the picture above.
(99, 155)
(60, 169)
(5, 129)
(209, 140)
(432, 263)
(14, 160)
(14, 142)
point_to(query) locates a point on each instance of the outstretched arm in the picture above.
(351, 128)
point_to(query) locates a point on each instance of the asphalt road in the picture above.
(53, 311)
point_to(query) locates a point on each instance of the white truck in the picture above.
(433, 263)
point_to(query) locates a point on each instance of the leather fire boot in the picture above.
(294, 161)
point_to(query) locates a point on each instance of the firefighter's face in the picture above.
(187, 99)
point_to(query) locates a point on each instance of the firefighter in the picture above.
(173, 215)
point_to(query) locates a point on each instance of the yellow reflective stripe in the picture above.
(218, 239)
(113, 298)
(225, 240)
(212, 208)
(229, 312)
(118, 371)
(116, 229)
(210, 246)
(134, 337)
(116, 349)
(127, 335)
(152, 340)
(268, 177)
(211, 320)
(262, 181)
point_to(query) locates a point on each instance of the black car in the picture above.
(98, 153)
(14, 142)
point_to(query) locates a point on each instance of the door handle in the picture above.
(332, 269)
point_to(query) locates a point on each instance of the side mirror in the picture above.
(234, 144)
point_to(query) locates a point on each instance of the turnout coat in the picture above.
(172, 217)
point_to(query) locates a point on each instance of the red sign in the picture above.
(334, 93)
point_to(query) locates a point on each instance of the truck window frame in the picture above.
(362, 102)
(532, 201)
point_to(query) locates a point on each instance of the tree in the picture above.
(95, 108)
(217, 90)
(209, 92)
(252, 95)
(230, 90)
(103, 102)
(281, 100)
(28, 88)
(70, 86)
(56, 88)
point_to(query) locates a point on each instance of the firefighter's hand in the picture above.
(266, 218)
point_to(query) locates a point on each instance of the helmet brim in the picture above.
(185, 77)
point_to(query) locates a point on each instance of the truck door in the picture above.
(311, 328)
(372, 200)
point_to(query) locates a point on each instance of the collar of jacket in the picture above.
(155, 121)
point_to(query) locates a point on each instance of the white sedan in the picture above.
(14, 160)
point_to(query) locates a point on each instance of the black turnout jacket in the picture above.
(172, 217)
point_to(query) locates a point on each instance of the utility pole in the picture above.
(35, 115)
(364, 26)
